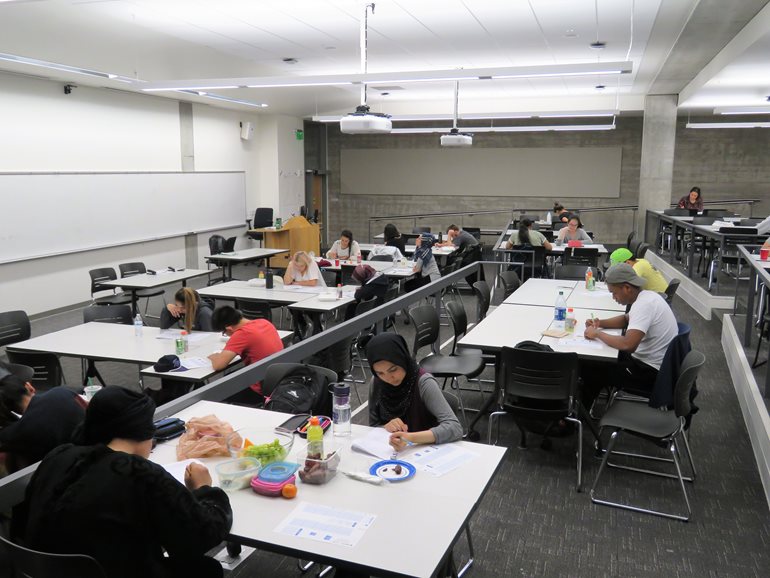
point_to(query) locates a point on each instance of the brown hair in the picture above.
(191, 300)
(453, 228)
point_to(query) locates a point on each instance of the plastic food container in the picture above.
(319, 471)
(237, 474)
(274, 477)
(264, 445)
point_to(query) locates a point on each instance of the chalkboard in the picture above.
(45, 214)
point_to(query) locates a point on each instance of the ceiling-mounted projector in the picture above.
(364, 122)
(455, 138)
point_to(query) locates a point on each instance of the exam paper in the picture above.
(304, 289)
(580, 342)
(193, 337)
(375, 443)
(440, 460)
(176, 469)
(193, 363)
(326, 524)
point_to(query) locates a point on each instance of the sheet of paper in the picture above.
(580, 342)
(400, 270)
(193, 337)
(304, 289)
(194, 363)
(326, 524)
(177, 469)
(440, 460)
(375, 443)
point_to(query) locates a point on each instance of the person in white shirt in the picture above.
(344, 247)
(650, 327)
(302, 270)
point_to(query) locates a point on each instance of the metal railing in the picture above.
(759, 279)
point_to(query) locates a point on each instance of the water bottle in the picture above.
(548, 218)
(269, 279)
(339, 290)
(559, 312)
(185, 342)
(315, 439)
(358, 259)
(341, 409)
(570, 321)
(590, 283)
(138, 325)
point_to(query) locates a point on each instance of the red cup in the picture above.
(764, 254)
(336, 262)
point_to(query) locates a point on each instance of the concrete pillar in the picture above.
(187, 148)
(657, 164)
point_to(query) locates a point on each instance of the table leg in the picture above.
(472, 433)
(134, 303)
(691, 254)
(750, 311)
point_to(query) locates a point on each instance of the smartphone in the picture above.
(291, 424)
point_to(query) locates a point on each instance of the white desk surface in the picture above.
(376, 265)
(441, 504)
(242, 290)
(559, 249)
(246, 254)
(315, 304)
(765, 264)
(540, 292)
(392, 270)
(600, 298)
(409, 249)
(163, 277)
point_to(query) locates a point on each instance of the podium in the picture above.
(297, 234)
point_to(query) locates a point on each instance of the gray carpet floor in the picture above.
(532, 522)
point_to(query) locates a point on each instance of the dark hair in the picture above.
(557, 206)
(390, 232)
(696, 190)
(12, 392)
(453, 228)
(348, 234)
(524, 226)
(225, 316)
(580, 223)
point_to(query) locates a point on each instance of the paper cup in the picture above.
(89, 391)
(764, 254)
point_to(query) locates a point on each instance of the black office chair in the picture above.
(574, 272)
(540, 386)
(108, 314)
(585, 256)
(35, 564)
(99, 276)
(254, 309)
(47, 368)
(630, 238)
(229, 245)
(527, 261)
(663, 428)
(339, 358)
(329, 277)
(383, 258)
(673, 285)
(641, 250)
(138, 268)
(510, 281)
(558, 226)
(360, 340)
(483, 297)
(346, 274)
(263, 217)
(475, 231)
(14, 327)
(216, 244)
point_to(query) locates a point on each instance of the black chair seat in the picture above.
(453, 365)
(123, 299)
(641, 418)
(145, 293)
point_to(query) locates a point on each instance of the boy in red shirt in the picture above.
(251, 340)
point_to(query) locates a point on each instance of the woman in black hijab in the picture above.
(404, 399)
(105, 499)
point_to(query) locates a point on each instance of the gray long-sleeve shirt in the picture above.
(448, 428)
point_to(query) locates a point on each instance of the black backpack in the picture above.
(301, 389)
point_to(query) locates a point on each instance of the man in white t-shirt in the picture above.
(650, 327)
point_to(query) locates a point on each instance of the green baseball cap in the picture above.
(621, 255)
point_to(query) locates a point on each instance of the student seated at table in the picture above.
(31, 423)
(692, 200)
(251, 340)
(526, 235)
(424, 263)
(372, 283)
(302, 270)
(642, 267)
(188, 311)
(560, 213)
(105, 499)
(344, 247)
(393, 238)
(573, 232)
(459, 238)
(404, 399)
(650, 327)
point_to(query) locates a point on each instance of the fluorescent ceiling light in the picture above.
(531, 128)
(62, 67)
(224, 98)
(728, 125)
(552, 70)
(480, 116)
(742, 110)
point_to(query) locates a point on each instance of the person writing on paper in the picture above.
(424, 263)
(187, 309)
(692, 200)
(302, 270)
(404, 399)
(344, 247)
(642, 267)
(105, 499)
(573, 232)
(650, 327)
(373, 284)
(527, 236)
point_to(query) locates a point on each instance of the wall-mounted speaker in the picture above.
(247, 130)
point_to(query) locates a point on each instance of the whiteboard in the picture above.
(487, 172)
(45, 214)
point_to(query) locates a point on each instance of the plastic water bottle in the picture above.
(590, 281)
(559, 312)
(339, 290)
(315, 439)
(138, 325)
(358, 259)
(341, 409)
(185, 342)
(269, 279)
(548, 218)
(570, 321)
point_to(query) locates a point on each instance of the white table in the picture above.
(600, 298)
(242, 256)
(443, 505)
(387, 268)
(540, 292)
(147, 281)
(279, 294)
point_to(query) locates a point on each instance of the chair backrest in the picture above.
(229, 245)
(558, 225)
(475, 231)
(718, 213)
(703, 220)
(510, 281)
(14, 327)
(459, 319)
(533, 218)
(130, 269)
(108, 314)
(677, 212)
(688, 373)
(278, 370)
(98, 276)
(391, 293)
(216, 244)
(673, 285)
(752, 222)
(346, 274)
(634, 246)
(47, 368)
(34, 564)
(630, 238)
(581, 256)
(254, 309)
(386, 258)
(426, 327)
(330, 277)
(483, 297)
(338, 357)
(263, 217)
(641, 250)
(418, 230)
(544, 375)
(366, 306)
(574, 272)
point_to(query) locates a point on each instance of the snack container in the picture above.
(237, 474)
(319, 471)
(271, 489)
(264, 445)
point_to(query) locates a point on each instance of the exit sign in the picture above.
(299, 134)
